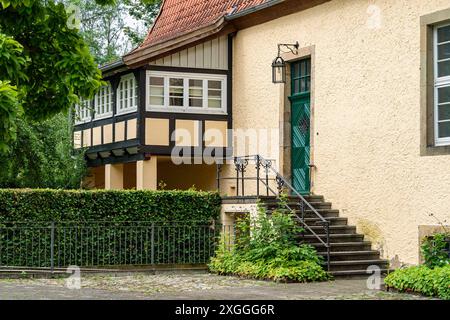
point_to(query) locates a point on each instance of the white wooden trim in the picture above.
(186, 76)
(439, 82)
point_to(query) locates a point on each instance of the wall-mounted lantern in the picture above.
(279, 65)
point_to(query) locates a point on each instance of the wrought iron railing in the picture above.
(267, 177)
(107, 244)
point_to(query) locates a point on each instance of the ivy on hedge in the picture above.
(105, 205)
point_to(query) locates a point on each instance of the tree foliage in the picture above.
(42, 156)
(44, 64)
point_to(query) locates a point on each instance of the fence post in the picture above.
(52, 247)
(152, 245)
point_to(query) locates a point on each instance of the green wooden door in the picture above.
(300, 125)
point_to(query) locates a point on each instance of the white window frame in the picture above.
(97, 105)
(439, 82)
(83, 111)
(133, 95)
(186, 77)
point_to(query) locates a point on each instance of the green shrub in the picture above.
(430, 282)
(97, 228)
(267, 248)
(102, 205)
(432, 249)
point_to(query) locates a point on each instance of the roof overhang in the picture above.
(144, 55)
(262, 13)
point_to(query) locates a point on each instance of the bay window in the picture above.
(186, 92)
(127, 94)
(103, 102)
(442, 84)
(83, 111)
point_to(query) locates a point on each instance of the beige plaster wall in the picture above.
(366, 138)
(185, 176)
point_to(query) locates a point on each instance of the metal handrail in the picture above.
(241, 164)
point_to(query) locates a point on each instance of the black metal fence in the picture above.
(102, 244)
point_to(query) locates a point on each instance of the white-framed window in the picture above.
(442, 84)
(186, 92)
(103, 102)
(127, 94)
(83, 111)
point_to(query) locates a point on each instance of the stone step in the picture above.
(334, 221)
(355, 274)
(352, 255)
(325, 213)
(296, 205)
(343, 229)
(343, 246)
(357, 264)
(310, 238)
(309, 198)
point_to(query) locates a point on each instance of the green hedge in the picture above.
(430, 282)
(104, 228)
(62, 205)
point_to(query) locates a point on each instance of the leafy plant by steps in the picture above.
(433, 250)
(421, 279)
(265, 248)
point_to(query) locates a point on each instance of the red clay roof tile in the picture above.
(178, 17)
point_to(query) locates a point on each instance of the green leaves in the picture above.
(9, 111)
(48, 63)
(42, 156)
(266, 248)
(432, 249)
(102, 205)
(430, 282)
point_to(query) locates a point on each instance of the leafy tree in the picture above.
(44, 64)
(42, 157)
(144, 11)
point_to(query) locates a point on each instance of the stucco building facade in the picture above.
(372, 76)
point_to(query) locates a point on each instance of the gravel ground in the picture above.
(193, 286)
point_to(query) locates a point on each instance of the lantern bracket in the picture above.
(293, 47)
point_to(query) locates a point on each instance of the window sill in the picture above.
(77, 123)
(104, 116)
(435, 150)
(123, 112)
(173, 110)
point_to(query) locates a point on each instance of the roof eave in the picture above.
(144, 55)
(251, 10)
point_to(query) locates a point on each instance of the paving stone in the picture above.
(198, 286)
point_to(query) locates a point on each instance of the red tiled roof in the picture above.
(178, 17)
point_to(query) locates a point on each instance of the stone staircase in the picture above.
(350, 254)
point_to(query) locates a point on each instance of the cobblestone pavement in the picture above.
(197, 286)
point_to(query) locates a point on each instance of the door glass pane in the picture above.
(444, 94)
(444, 34)
(444, 129)
(444, 112)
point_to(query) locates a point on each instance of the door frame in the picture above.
(285, 115)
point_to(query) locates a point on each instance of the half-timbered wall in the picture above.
(212, 54)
